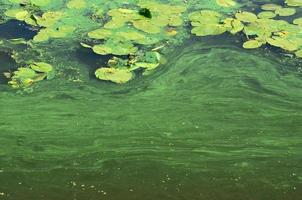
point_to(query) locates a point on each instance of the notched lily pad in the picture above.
(285, 12)
(41, 67)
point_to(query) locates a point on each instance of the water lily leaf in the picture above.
(209, 29)
(233, 25)
(102, 49)
(146, 26)
(283, 43)
(285, 12)
(299, 53)
(293, 2)
(85, 45)
(76, 4)
(265, 27)
(41, 67)
(131, 35)
(270, 7)
(164, 9)
(116, 22)
(252, 44)
(22, 15)
(49, 19)
(147, 66)
(246, 16)
(100, 34)
(42, 36)
(205, 16)
(115, 48)
(298, 21)
(114, 75)
(18, 41)
(226, 3)
(24, 73)
(12, 13)
(266, 15)
(171, 32)
(52, 32)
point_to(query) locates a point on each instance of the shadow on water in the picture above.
(7, 64)
(16, 29)
(11, 30)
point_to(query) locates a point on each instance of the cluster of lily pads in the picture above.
(32, 73)
(128, 31)
(122, 30)
(260, 29)
(134, 34)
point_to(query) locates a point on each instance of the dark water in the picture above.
(215, 122)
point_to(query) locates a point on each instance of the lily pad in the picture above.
(252, 44)
(293, 2)
(298, 21)
(100, 34)
(285, 12)
(76, 4)
(115, 48)
(246, 16)
(41, 67)
(209, 29)
(270, 7)
(283, 43)
(114, 75)
(226, 3)
(49, 19)
(266, 15)
(299, 53)
(233, 25)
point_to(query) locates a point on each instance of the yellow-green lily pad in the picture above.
(41, 67)
(226, 3)
(293, 2)
(246, 16)
(266, 15)
(299, 53)
(76, 4)
(270, 7)
(209, 29)
(114, 75)
(298, 21)
(283, 43)
(252, 44)
(285, 12)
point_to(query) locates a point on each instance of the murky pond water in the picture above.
(214, 122)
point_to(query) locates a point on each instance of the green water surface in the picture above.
(215, 122)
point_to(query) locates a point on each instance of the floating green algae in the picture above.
(114, 28)
(214, 110)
